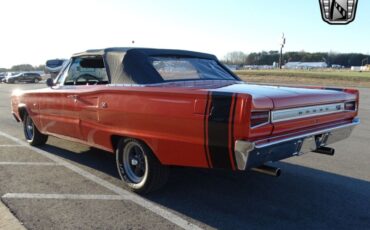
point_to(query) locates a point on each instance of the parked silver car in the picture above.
(24, 77)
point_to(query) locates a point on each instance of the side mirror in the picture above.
(50, 82)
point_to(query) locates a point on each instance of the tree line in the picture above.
(268, 58)
(260, 58)
(23, 67)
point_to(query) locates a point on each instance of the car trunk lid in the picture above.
(286, 98)
(291, 97)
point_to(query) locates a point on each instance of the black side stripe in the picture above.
(218, 129)
(206, 113)
(232, 128)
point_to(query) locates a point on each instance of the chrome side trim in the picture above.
(304, 112)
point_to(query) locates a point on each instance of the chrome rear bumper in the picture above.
(253, 154)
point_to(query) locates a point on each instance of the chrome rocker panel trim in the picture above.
(253, 154)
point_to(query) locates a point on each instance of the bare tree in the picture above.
(235, 58)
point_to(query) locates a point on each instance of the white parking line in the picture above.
(62, 196)
(29, 163)
(173, 218)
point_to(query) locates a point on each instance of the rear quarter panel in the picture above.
(171, 124)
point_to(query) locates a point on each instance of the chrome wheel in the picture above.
(134, 162)
(31, 133)
(29, 128)
(138, 167)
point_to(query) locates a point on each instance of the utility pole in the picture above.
(282, 44)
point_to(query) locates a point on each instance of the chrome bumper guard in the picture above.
(253, 154)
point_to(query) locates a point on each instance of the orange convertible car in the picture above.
(157, 108)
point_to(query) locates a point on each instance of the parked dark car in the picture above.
(24, 77)
(2, 76)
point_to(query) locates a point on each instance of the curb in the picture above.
(7, 219)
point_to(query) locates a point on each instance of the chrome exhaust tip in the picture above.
(325, 150)
(267, 170)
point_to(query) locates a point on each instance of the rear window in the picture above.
(34, 74)
(184, 68)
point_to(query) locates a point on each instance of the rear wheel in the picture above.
(15, 81)
(31, 133)
(138, 167)
(36, 80)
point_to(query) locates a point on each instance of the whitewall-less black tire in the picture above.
(138, 167)
(31, 133)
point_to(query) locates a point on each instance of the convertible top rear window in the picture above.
(185, 68)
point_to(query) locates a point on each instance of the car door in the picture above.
(24, 77)
(58, 109)
(30, 77)
(91, 79)
(19, 78)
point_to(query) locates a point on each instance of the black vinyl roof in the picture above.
(147, 52)
(132, 65)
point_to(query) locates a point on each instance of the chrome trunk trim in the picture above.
(304, 112)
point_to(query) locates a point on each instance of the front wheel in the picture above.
(31, 133)
(138, 167)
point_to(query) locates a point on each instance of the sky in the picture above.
(35, 31)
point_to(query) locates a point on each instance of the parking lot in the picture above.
(65, 185)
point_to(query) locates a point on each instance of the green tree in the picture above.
(39, 68)
(22, 67)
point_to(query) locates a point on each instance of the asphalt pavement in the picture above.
(65, 185)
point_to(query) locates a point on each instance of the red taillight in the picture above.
(259, 118)
(350, 106)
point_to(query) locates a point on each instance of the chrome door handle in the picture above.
(75, 97)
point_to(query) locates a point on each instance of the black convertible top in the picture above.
(133, 66)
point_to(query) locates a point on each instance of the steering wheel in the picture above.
(87, 77)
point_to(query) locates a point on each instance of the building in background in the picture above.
(305, 65)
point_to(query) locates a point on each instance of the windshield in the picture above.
(9, 74)
(85, 71)
(13, 75)
(184, 68)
